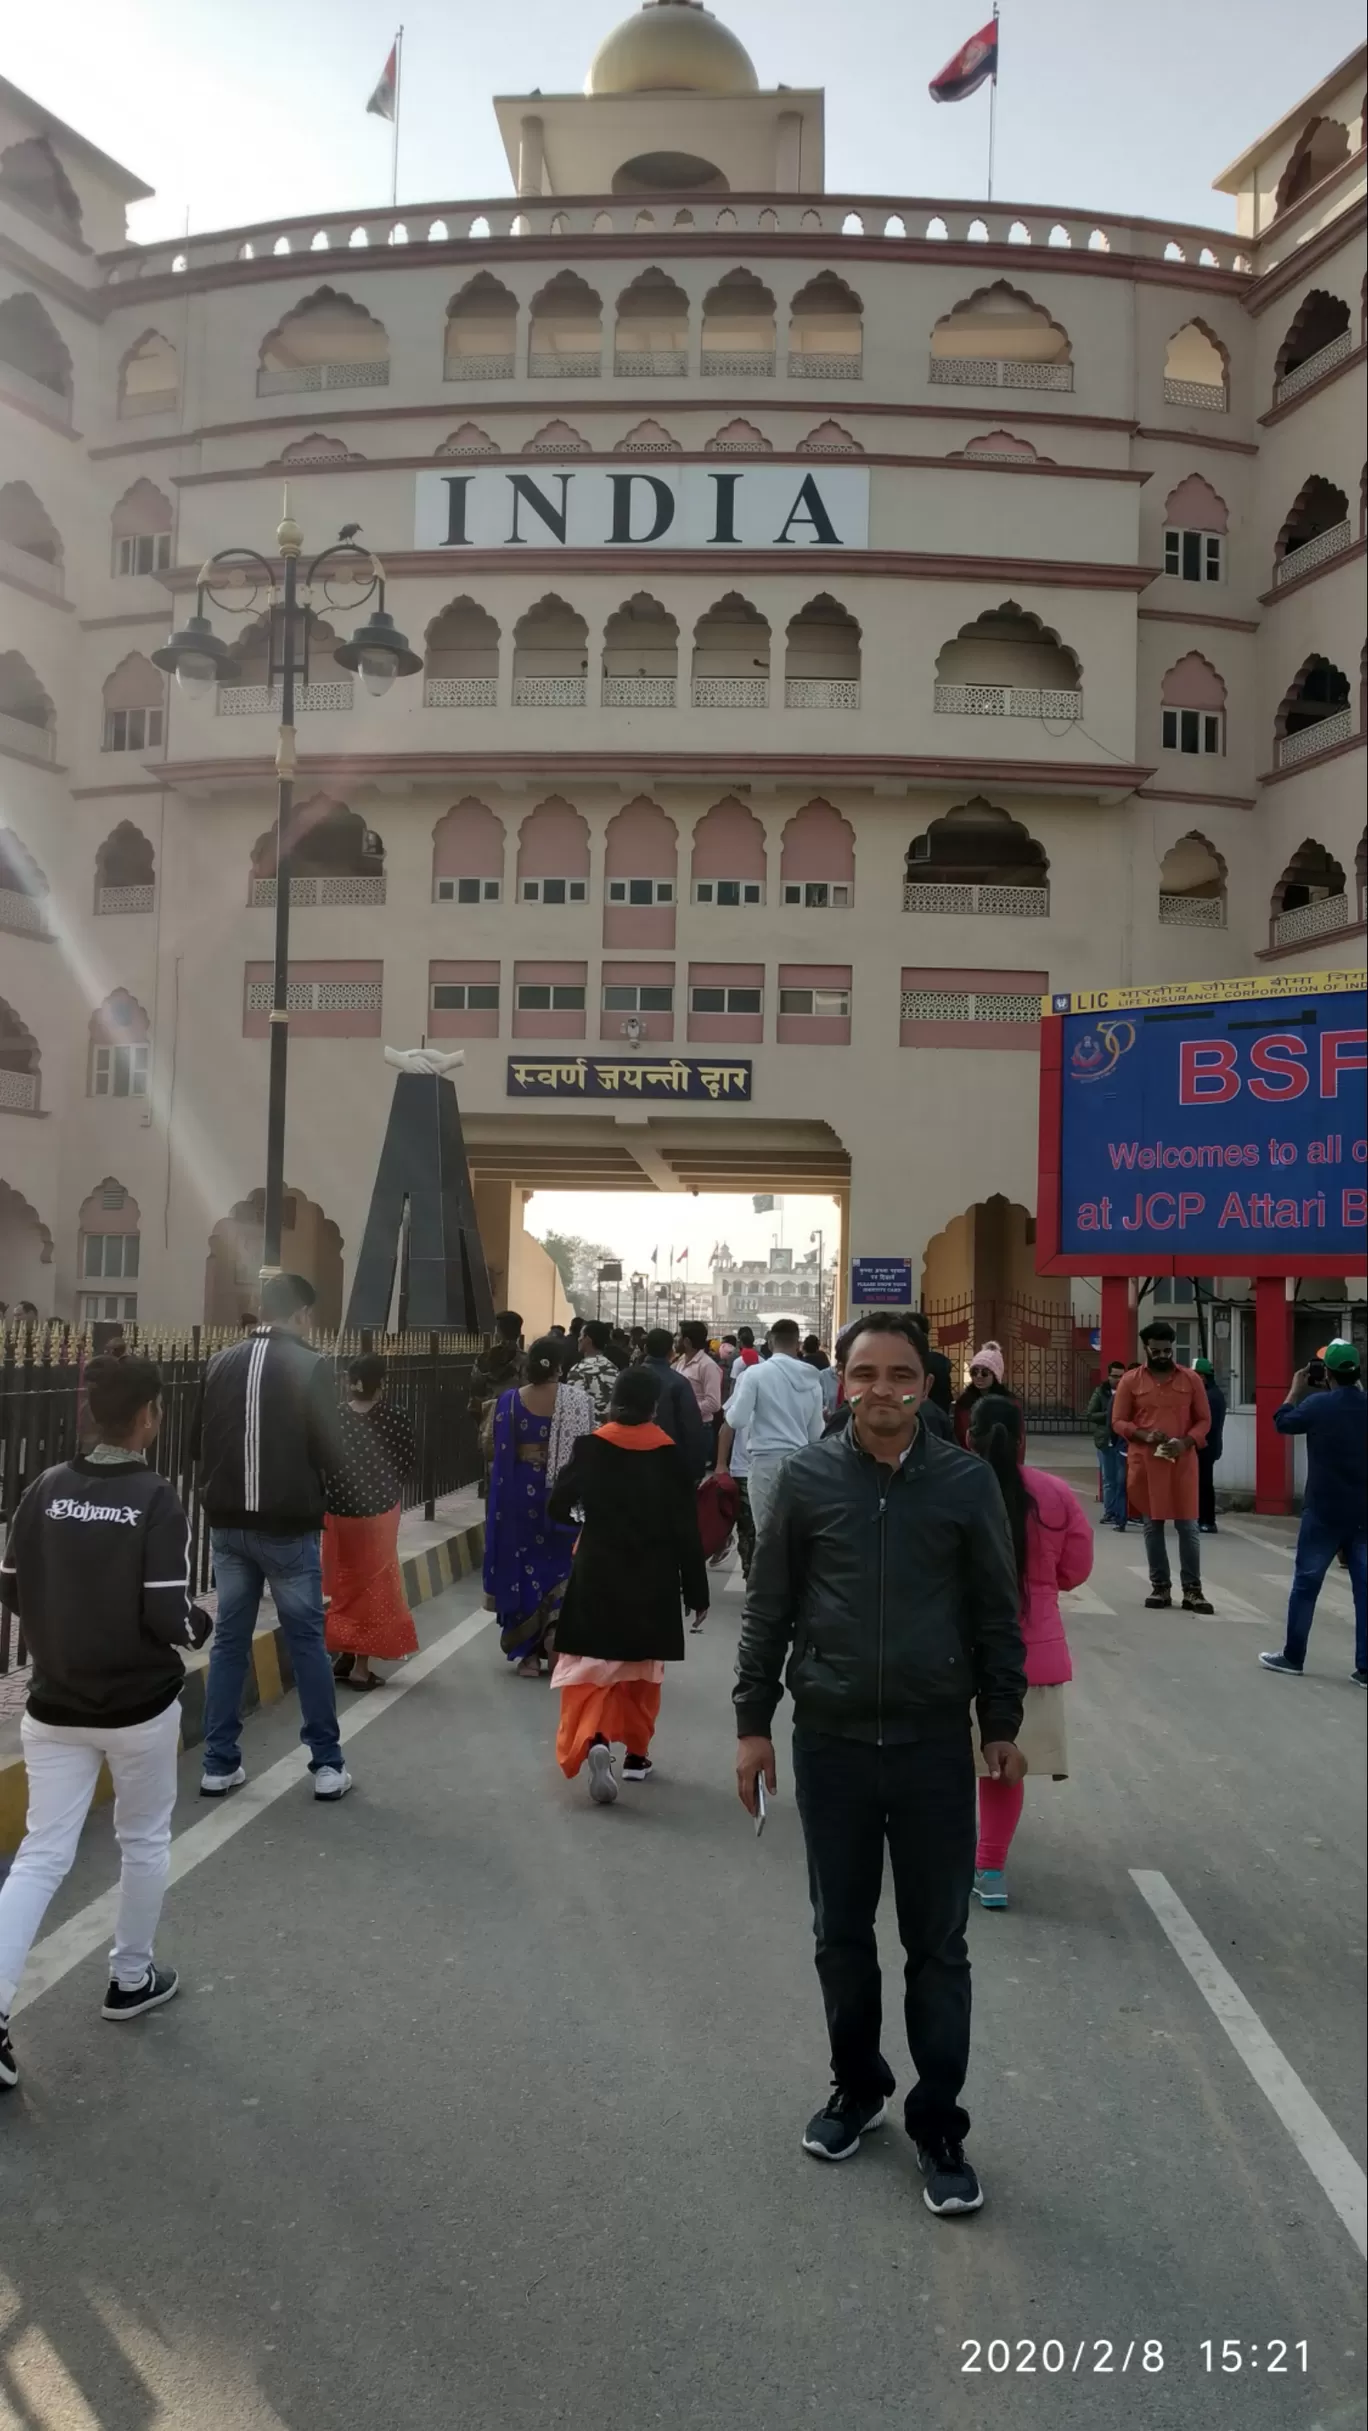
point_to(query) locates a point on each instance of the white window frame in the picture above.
(661, 891)
(1207, 732)
(133, 729)
(487, 890)
(711, 988)
(1210, 553)
(825, 1004)
(464, 996)
(749, 891)
(819, 894)
(533, 890)
(100, 1308)
(562, 996)
(130, 546)
(102, 1267)
(645, 998)
(105, 1068)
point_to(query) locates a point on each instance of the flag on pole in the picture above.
(682, 1253)
(384, 100)
(971, 66)
(655, 1256)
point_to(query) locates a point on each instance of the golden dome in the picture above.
(671, 46)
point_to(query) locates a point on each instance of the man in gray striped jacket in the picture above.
(266, 1435)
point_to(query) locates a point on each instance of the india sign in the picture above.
(681, 506)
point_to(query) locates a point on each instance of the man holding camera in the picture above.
(1331, 1411)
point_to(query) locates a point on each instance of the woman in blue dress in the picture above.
(527, 1556)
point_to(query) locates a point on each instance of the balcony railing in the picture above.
(125, 898)
(460, 691)
(966, 1004)
(1312, 920)
(1191, 911)
(1209, 396)
(1009, 700)
(715, 365)
(318, 996)
(293, 379)
(478, 367)
(1313, 552)
(824, 367)
(822, 692)
(731, 692)
(18, 1092)
(998, 371)
(549, 691)
(25, 567)
(23, 915)
(21, 384)
(639, 691)
(545, 364)
(263, 700)
(1309, 741)
(1314, 368)
(306, 891)
(21, 735)
(998, 902)
(671, 363)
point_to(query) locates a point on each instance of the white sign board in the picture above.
(683, 506)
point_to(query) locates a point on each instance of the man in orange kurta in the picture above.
(1161, 1411)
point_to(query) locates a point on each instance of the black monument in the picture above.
(421, 1229)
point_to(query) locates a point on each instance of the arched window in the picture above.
(1192, 707)
(1317, 528)
(640, 868)
(1001, 447)
(1197, 369)
(826, 331)
(32, 178)
(1320, 336)
(822, 665)
(738, 438)
(134, 706)
(481, 331)
(1000, 338)
(125, 872)
(1314, 714)
(108, 1256)
(20, 1066)
(318, 447)
(1008, 664)
(738, 329)
(30, 544)
(669, 173)
(1192, 885)
(566, 338)
(731, 656)
(1195, 525)
(1310, 898)
(550, 657)
(469, 440)
(829, 439)
(728, 868)
(141, 530)
(326, 342)
(647, 438)
(461, 663)
(27, 718)
(977, 858)
(468, 854)
(334, 857)
(556, 439)
(640, 656)
(651, 340)
(553, 855)
(312, 1248)
(149, 377)
(34, 364)
(120, 1048)
(1318, 149)
(249, 687)
(817, 859)
(23, 889)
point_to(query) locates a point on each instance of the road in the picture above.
(482, 2105)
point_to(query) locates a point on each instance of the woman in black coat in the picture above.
(639, 1557)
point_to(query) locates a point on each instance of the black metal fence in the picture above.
(428, 1377)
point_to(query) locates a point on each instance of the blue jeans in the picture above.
(1318, 1541)
(244, 1563)
(1189, 1554)
(1112, 1463)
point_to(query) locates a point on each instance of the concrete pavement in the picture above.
(482, 2105)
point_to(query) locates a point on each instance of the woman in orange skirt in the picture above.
(368, 1615)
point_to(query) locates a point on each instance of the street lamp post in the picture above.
(378, 652)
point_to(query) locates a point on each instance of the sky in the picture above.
(257, 112)
(634, 1223)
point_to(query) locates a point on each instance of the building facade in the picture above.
(842, 619)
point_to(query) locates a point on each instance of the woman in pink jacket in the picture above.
(1054, 1551)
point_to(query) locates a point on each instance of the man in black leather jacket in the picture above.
(887, 1568)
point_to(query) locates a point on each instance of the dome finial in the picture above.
(671, 46)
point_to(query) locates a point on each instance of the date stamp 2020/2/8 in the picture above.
(1069, 2357)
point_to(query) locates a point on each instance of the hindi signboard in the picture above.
(881, 1283)
(719, 1078)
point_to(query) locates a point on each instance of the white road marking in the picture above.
(1266, 1544)
(1082, 1599)
(92, 1925)
(1336, 1604)
(1325, 2154)
(1229, 1606)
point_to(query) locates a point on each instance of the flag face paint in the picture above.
(971, 66)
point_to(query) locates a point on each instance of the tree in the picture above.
(577, 1262)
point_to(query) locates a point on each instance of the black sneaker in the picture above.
(834, 2134)
(951, 2183)
(637, 1768)
(1360, 1679)
(1279, 1662)
(9, 2066)
(159, 1985)
(1195, 1601)
(1159, 1599)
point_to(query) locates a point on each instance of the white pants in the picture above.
(63, 1768)
(762, 1482)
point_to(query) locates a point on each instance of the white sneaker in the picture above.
(332, 1781)
(217, 1785)
(603, 1788)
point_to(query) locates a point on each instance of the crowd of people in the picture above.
(904, 1565)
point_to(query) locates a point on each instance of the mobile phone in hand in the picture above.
(761, 1806)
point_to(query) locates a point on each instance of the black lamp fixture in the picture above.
(378, 651)
(195, 655)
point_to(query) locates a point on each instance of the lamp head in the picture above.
(196, 657)
(377, 652)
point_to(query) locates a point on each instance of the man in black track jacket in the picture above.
(266, 1435)
(887, 1568)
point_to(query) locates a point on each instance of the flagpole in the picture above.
(992, 104)
(398, 92)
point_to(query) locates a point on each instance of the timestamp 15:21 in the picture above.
(1255, 2355)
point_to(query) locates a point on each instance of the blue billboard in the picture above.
(1224, 1123)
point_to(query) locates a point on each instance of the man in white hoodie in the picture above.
(779, 1403)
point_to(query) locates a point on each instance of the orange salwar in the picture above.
(602, 1700)
(368, 1614)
